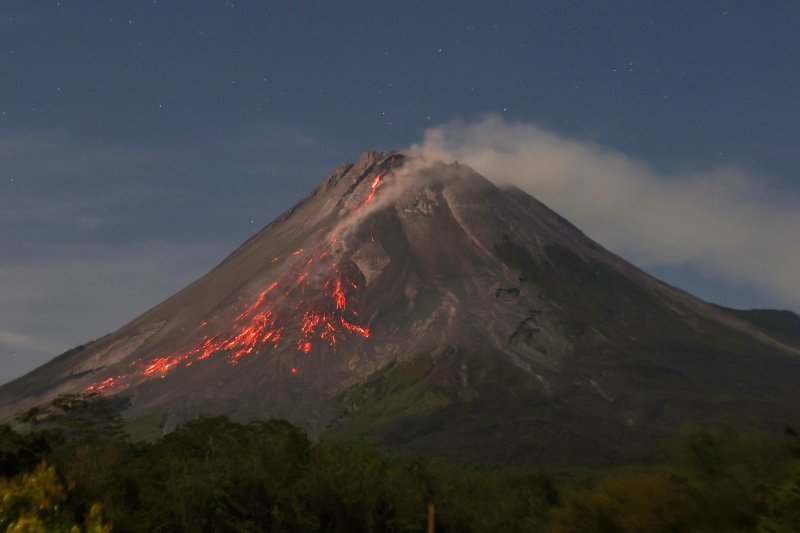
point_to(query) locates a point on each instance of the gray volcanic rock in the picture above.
(418, 304)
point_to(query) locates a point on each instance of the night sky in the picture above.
(141, 142)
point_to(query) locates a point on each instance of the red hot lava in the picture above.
(108, 385)
(327, 314)
(375, 184)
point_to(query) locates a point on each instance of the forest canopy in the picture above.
(73, 468)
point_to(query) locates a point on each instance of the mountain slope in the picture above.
(418, 304)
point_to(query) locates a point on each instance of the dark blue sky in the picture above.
(142, 141)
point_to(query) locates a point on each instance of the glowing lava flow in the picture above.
(259, 327)
(327, 314)
(338, 295)
(375, 184)
(107, 386)
(328, 319)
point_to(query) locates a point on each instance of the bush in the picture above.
(35, 502)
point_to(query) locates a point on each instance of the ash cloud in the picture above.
(726, 222)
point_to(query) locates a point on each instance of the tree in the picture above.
(35, 502)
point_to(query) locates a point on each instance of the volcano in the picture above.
(418, 305)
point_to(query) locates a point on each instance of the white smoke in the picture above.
(405, 177)
(724, 221)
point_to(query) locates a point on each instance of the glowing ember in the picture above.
(364, 332)
(339, 296)
(259, 301)
(107, 386)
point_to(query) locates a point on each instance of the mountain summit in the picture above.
(418, 304)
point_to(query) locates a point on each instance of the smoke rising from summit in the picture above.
(725, 221)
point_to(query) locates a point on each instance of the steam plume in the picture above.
(725, 221)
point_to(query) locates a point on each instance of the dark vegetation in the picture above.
(71, 467)
(785, 325)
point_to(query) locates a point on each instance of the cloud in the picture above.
(724, 221)
(71, 294)
(25, 342)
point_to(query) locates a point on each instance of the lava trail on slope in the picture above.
(314, 299)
